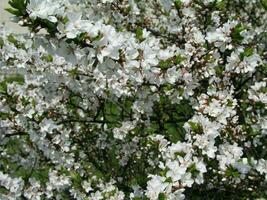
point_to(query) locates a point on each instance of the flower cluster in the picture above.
(130, 99)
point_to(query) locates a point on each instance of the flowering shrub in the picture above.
(155, 99)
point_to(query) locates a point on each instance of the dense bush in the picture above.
(134, 99)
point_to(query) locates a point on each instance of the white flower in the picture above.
(105, 1)
(150, 57)
(58, 181)
(172, 75)
(48, 125)
(176, 171)
(221, 36)
(250, 63)
(186, 2)
(242, 166)
(188, 12)
(177, 195)
(137, 192)
(121, 133)
(165, 54)
(229, 155)
(166, 4)
(215, 36)
(14, 185)
(76, 25)
(155, 186)
(256, 94)
(187, 180)
(198, 36)
(44, 9)
(200, 165)
(58, 119)
(87, 186)
(261, 167)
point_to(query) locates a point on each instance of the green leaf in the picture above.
(4, 115)
(236, 34)
(48, 58)
(184, 108)
(182, 154)
(3, 190)
(73, 72)
(112, 112)
(162, 196)
(165, 64)
(195, 127)
(219, 70)
(207, 57)
(51, 27)
(76, 179)
(232, 172)
(18, 7)
(13, 11)
(152, 128)
(179, 59)
(264, 4)
(137, 198)
(15, 78)
(230, 103)
(173, 132)
(178, 4)
(65, 20)
(98, 37)
(14, 41)
(263, 90)
(168, 180)
(221, 5)
(193, 170)
(22, 172)
(248, 52)
(75, 100)
(164, 172)
(1, 43)
(139, 34)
